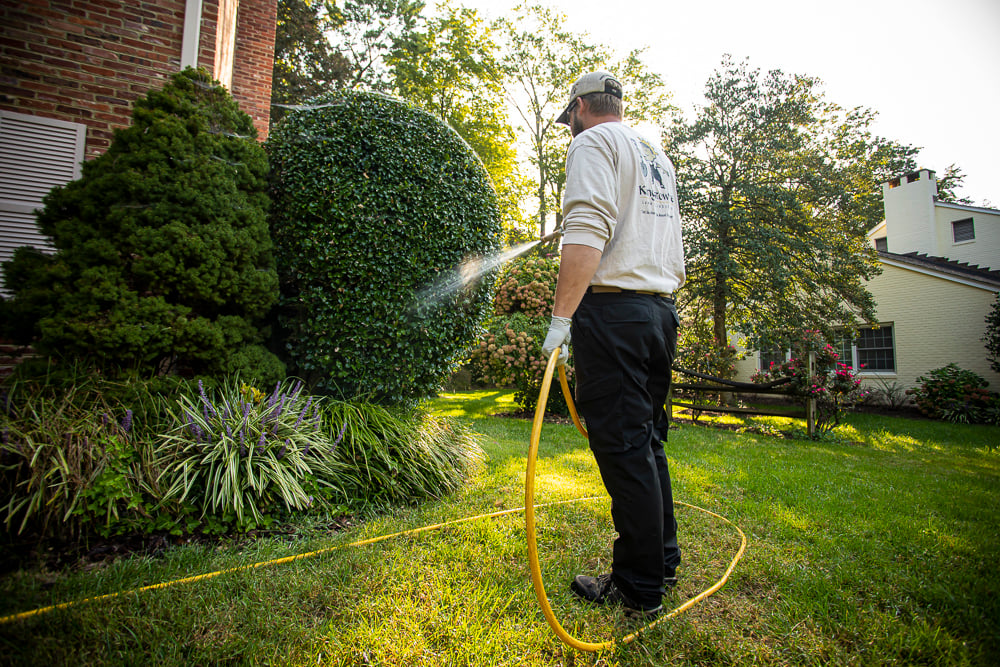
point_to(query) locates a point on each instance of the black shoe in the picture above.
(604, 590)
(669, 582)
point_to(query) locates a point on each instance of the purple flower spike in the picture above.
(274, 396)
(340, 437)
(302, 414)
(208, 404)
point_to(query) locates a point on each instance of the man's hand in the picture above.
(558, 336)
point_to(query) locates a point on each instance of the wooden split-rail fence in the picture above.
(715, 385)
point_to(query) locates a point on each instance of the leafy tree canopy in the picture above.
(447, 65)
(541, 58)
(778, 188)
(305, 62)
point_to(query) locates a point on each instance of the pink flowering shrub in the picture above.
(835, 385)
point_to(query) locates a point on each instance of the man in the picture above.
(622, 259)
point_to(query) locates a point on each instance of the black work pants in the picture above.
(624, 345)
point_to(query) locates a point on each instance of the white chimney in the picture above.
(909, 212)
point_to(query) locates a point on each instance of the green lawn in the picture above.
(875, 545)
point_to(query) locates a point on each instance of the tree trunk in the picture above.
(542, 209)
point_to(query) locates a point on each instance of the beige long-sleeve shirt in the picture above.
(621, 198)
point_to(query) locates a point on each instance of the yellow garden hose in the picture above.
(275, 561)
(529, 510)
(529, 515)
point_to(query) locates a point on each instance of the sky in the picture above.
(930, 68)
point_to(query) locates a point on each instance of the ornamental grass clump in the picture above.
(391, 456)
(243, 456)
(75, 463)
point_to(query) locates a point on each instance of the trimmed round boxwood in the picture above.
(375, 203)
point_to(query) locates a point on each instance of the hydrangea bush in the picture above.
(956, 395)
(510, 352)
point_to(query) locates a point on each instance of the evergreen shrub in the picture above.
(163, 258)
(376, 203)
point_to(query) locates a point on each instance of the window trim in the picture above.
(954, 230)
(879, 372)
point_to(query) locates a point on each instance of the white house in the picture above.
(940, 276)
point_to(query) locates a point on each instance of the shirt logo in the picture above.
(657, 199)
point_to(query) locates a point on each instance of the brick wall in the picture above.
(256, 23)
(87, 61)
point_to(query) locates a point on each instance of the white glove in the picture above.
(558, 336)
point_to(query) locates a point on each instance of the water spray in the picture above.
(475, 268)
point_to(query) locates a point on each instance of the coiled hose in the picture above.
(529, 514)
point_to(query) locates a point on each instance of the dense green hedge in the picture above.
(375, 201)
(163, 255)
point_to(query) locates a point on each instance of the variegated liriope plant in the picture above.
(242, 454)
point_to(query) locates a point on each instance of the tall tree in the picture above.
(367, 32)
(447, 65)
(326, 44)
(949, 183)
(541, 59)
(305, 63)
(778, 189)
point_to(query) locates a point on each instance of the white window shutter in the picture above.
(36, 154)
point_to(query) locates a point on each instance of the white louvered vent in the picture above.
(36, 154)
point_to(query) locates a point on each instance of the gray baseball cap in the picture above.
(592, 82)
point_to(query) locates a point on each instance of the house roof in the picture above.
(948, 267)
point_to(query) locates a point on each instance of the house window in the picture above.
(963, 230)
(844, 345)
(875, 349)
(882, 244)
(775, 356)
